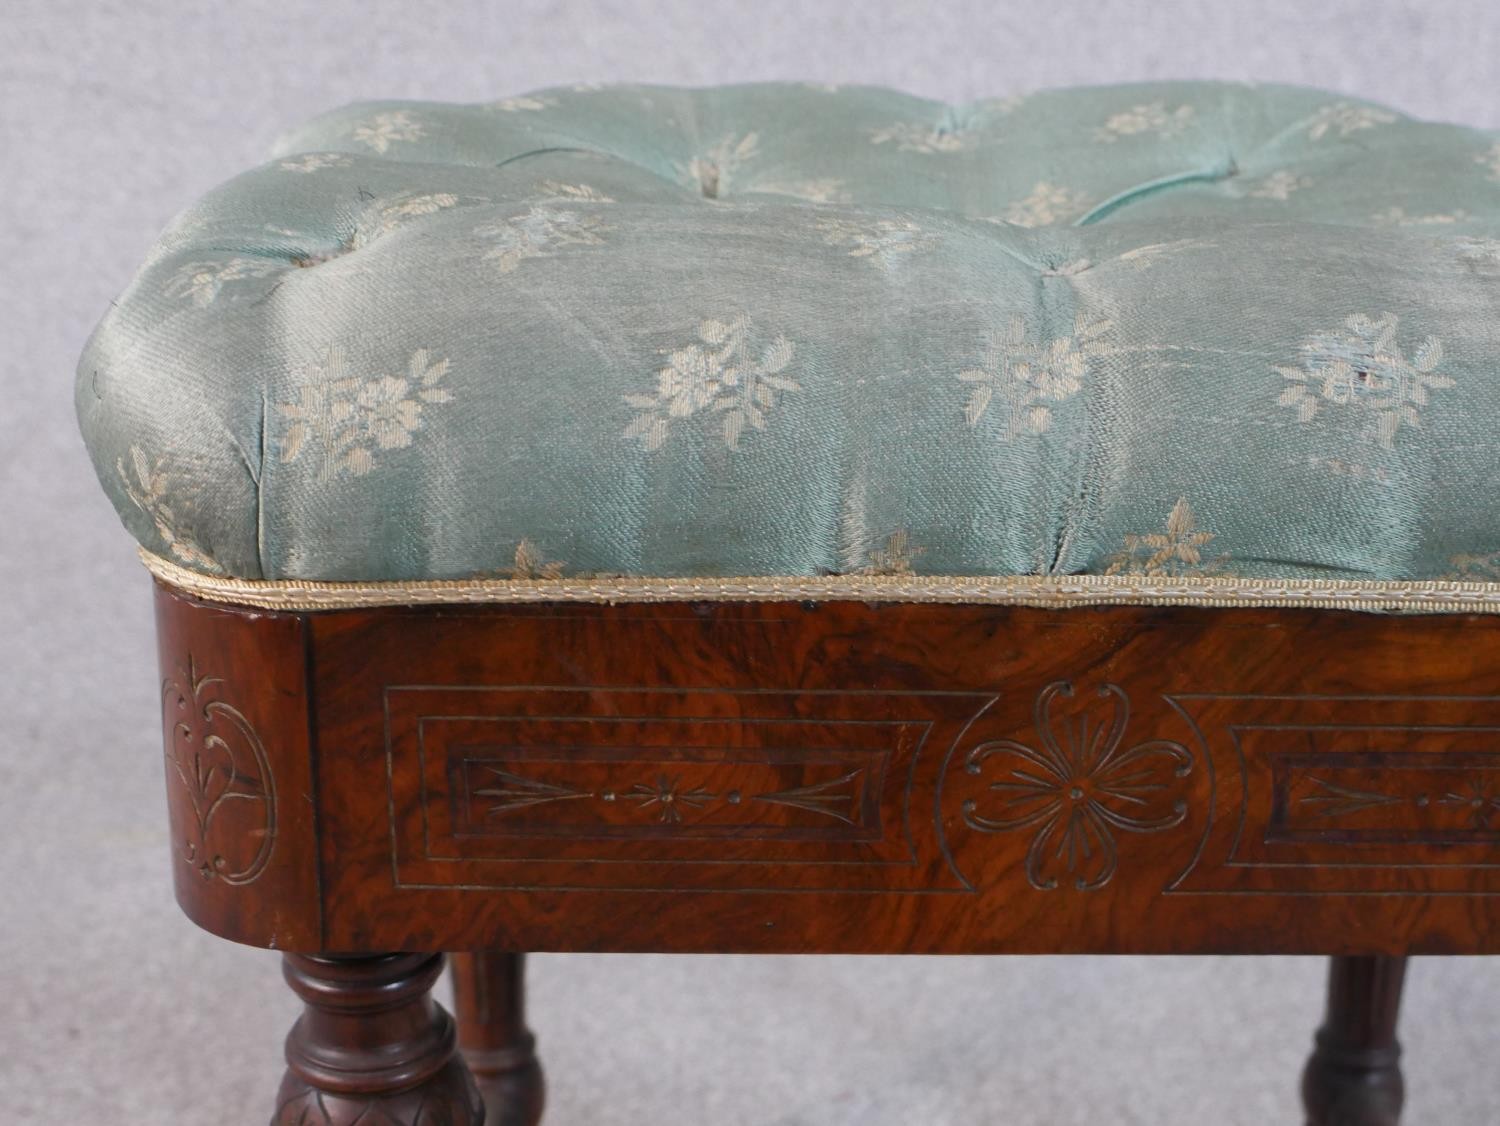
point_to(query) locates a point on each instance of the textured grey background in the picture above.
(113, 1009)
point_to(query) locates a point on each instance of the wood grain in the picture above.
(239, 771)
(882, 778)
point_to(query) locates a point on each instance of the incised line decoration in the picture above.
(1076, 788)
(666, 799)
(216, 758)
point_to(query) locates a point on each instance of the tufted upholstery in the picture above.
(1171, 332)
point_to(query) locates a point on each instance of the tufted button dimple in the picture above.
(713, 169)
(317, 258)
(708, 179)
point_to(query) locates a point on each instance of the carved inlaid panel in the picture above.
(1386, 797)
(906, 778)
(523, 786)
(782, 796)
(1328, 794)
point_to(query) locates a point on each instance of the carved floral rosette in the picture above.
(1076, 784)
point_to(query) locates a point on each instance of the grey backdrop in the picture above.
(113, 1009)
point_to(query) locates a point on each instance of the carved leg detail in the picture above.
(1354, 1076)
(372, 1047)
(489, 993)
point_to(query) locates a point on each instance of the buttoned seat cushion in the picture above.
(1171, 331)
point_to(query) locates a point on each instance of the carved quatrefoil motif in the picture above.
(1077, 788)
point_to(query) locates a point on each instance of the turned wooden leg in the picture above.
(1354, 1075)
(489, 998)
(372, 1046)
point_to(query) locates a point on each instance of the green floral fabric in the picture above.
(1178, 329)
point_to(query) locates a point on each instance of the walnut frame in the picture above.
(366, 788)
(786, 776)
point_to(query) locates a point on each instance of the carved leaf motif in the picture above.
(829, 798)
(515, 792)
(1337, 801)
(310, 1107)
(216, 762)
(303, 1109)
(669, 799)
(1470, 801)
(1077, 788)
